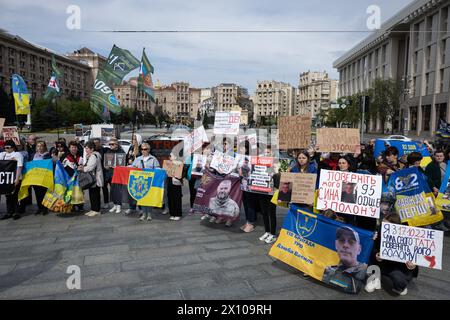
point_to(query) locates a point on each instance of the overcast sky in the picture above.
(205, 59)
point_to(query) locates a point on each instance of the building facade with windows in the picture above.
(33, 63)
(178, 100)
(130, 97)
(413, 48)
(273, 99)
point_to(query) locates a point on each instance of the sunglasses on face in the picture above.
(8, 147)
(113, 144)
(144, 149)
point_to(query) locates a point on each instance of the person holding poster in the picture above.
(174, 194)
(395, 275)
(12, 207)
(108, 172)
(303, 163)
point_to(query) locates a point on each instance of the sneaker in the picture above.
(373, 285)
(204, 217)
(212, 219)
(113, 209)
(142, 218)
(94, 214)
(128, 211)
(176, 218)
(264, 236)
(270, 239)
(88, 213)
(401, 293)
(149, 218)
(305, 275)
(118, 209)
(171, 218)
(441, 227)
(229, 223)
(249, 228)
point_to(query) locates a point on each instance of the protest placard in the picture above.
(342, 140)
(114, 160)
(11, 133)
(7, 176)
(195, 140)
(319, 247)
(251, 138)
(223, 163)
(219, 196)
(173, 168)
(198, 164)
(294, 132)
(415, 202)
(261, 175)
(421, 246)
(227, 122)
(2, 123)
(350, 193)
(297, 187)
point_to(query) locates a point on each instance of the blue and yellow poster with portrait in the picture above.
(327, 250)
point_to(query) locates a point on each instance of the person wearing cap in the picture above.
(350, 274)
(12, 206)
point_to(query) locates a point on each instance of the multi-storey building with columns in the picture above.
(179, 100)
(412, 47)
(272, 99)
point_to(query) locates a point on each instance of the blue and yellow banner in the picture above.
(443, 198)
(327, 250)
(404, 147)
(21, 95)
(415, 203)
(36, 173)
(67, 187)
(147, 186)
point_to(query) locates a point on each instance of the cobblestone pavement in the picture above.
(123, 258)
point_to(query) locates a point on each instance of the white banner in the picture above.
(421, 246)
(227, 122)
(350, 193)
(195, 140)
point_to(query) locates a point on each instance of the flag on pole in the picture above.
(145, 82)
(21, 95)
(120, 63)
(53, 88)
(103, 96)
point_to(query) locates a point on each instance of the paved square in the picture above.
(123, 258)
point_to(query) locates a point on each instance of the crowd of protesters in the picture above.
(89, 158)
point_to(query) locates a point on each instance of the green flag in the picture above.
(103, 96)
(53, 88)
(120, 63)
(145, 78)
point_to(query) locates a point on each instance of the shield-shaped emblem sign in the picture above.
(139, 183)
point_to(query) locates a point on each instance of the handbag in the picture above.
(86, 180)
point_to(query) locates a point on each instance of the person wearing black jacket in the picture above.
(108, 172)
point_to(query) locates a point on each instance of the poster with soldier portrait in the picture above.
(219, 196)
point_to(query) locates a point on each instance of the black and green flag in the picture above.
(120, 63)
(53, 88)
(103, 96)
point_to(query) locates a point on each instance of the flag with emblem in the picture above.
(21, 95)
(147, 186)
(103, 96)
(145, 82)
(53, 88)
(120, 63)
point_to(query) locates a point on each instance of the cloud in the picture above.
(205, 59)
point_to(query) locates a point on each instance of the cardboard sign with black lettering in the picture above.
(342, 140)
(297, 187)
(294, 132)
(7, 176)
(173, 168)
(421, 246)
(350, 193)
(227, 122)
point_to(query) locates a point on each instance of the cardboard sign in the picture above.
(401, 243)
(11, 133)
(297, 187)
(2, 123)
(173, 168)
(195, 140)
(227, 122)
(112, 160)
(342, 140)
(350, 193)
(294, 132)
(223, 163)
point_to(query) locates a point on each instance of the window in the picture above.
(442, 53)
(428, 57)
(413, 120)
(429, 28)
(427, 82)
(426, 116)
(416, 35)
(441, 81)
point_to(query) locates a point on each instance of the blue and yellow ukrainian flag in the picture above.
(67, 187)
(21, 95)
(147, 187)
(36, 173)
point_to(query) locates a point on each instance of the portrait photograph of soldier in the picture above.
(348, 192)
(285, 192)
(222, 204)
(350, 274)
